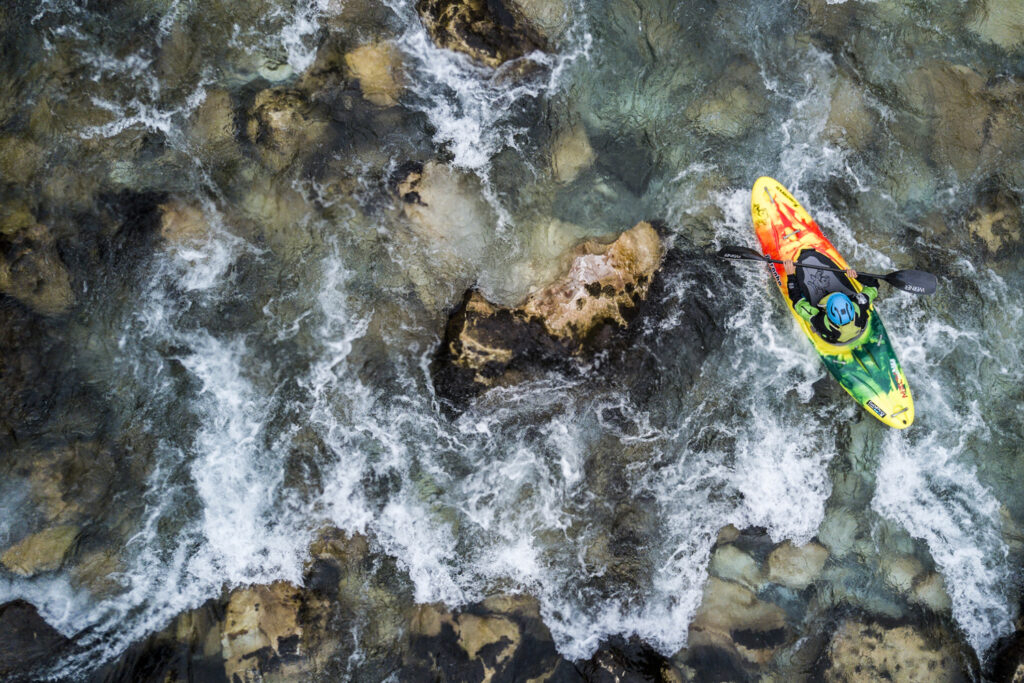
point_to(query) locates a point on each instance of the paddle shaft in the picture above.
(834, 270)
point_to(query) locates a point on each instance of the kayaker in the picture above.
(840, 316)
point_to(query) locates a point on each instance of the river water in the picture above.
(245, 389)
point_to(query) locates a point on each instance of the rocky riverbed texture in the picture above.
(170, 194)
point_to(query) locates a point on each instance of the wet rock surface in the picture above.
(605, 284)
(489, 31)
(26, 641)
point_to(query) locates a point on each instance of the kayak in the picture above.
(867, 368)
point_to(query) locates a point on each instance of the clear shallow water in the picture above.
(269, 381)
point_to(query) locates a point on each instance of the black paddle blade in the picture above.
(740, 253)
(913, 281)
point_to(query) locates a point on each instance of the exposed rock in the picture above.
(41, 552)
(485, 344)
(98, 572)
(378, 68)
(796, 566)
(838, 531)
(730, 563)
(871, 652)
(732, 104)
(483, 29)
(262, 632)
(619, 661)
(571, 154)
(32, 272)
(1000, 22)
(604, 282)
(26, 641)
(182, 223)
(283, 125)
(850, 122)
(549, 17)
(731, 618)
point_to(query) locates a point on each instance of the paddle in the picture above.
(913, 281)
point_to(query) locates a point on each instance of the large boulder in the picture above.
(487, 344)
(486, 30)
(262, 633)
(862, 651)
(733, 621)
(732, 104)
(40, 552)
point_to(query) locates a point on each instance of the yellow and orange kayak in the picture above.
(867, 369)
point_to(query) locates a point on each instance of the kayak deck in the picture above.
(868, 369)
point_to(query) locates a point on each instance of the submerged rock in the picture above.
(284, 125)
(32, 271)
(378, 68)
(862, 651)
(41, 552)
(182, 223)
(571, 154)
(996, 220)
(796, 566)
(733, 103)
(487, 30)
(486, 344)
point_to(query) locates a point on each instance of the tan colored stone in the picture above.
(214, 125)
(476, 632)
(41, 552)
(728, 608)
(996, 222)
(730, 563)
(260, 617)
(732, 104)
(97, 572)
(604, 279)
(796, 566)
(378, 67)
(473, 27)
(19, 159)
(549, 17)
(1000, 22)
(900, 571)
(182, 223)
(869, 652)
(571, 154)
(427, 620)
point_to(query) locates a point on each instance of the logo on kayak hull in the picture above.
(878, 411)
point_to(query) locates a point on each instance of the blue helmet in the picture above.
(839, 309)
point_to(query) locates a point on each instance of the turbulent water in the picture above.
(274, 377)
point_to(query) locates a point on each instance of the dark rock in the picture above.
(483, 29)
(27, 642)
(629, 661)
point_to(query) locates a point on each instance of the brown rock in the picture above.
(996, 221)
(261, 630)
(603, 282)
(283, 124)
(213, 127)
(732, 104)
(869, 652)
(485, 30)
(33, 273)
(182, 223)
(41, 552)
(378, 68)
(850, 122)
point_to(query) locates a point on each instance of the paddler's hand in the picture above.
(790, 268)
(851, 273)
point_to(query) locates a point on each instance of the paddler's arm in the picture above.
(801, 305)
(869, 287)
